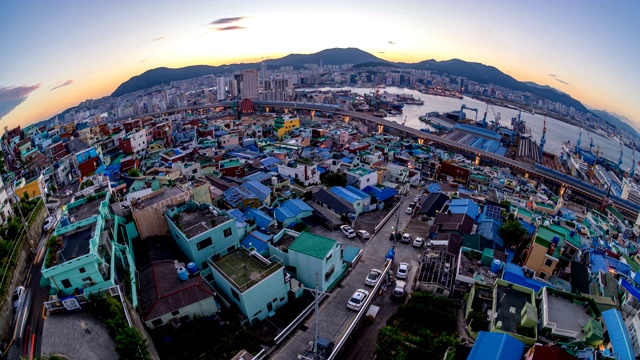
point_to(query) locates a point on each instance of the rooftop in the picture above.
(161, 196)
(312, 245)
(469, 267)
(76, 243)
(437, 267)
(85, 208)
(244, 269)
(200, 221)
(509, 304)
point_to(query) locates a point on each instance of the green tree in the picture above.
(134, 172)
(334, 179)
(512, 233)
(478, 321)
(131, 345)
(505, 202)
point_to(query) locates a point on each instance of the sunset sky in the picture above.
(55, 54)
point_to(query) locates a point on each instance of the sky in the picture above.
(56, 54)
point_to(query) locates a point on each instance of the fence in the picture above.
(386, 218)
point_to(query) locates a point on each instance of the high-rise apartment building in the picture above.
(222, 92)
(250, 85)
(263, 70)
(233, 87)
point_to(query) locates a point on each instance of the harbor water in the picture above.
(557, 131)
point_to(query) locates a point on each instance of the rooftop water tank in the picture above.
(572, 233)
(183, 275)
(495, 266)
(64, 221)
(555, 240)
(192, 268)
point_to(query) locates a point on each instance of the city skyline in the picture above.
(60, 54)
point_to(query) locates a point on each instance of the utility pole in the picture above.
(315, 337)
(24, 225)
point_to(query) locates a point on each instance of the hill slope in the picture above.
(614, 121)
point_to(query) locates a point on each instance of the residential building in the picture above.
(250, 84)
(361, 178)
(33, 188)
(331, 201)
(436, 274)
(547, 246)
(259, 286)
(619, 344)
(302, 172)
(292, 211)
(515, 312)
(240, 197)
(167, 299)
(231, 167)
(494, 346)
(134, 142)
(283, 125)
(309, 258)
(5, 205)
(148, 210)
(221, 90)
(202, 232)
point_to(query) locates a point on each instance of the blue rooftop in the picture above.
(270, 161)
(357, 191)
(291, 208)
(618, 334)
(235, 195)
(345, 194)
(630, 288)
(257, 240)
(464, 206)
(259, 190)
(262, 220)
(489, 229)
(381, 194)
(434, 188)
(496, 346)
(513, 273)
(259, 176)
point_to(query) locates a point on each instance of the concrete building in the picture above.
(221, 90)
(361, 177)
(547, 246)
(5, 205)
(515, 311)
(148, 210)
(250, 84)
(305, 173)
(285, 124)
(203, 232)
(437, 273)
(134, 142)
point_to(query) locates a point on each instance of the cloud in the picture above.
(12, 96)
(159, 38)
(553, 75)
(143, 60)
(227, 28)
(227, 20)
(380, 52)
(68, 82)
(564, 82)
(391, 42)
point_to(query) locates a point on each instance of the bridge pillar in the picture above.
(380, 128)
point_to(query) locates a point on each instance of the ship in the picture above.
(520, 126)
(578, 167)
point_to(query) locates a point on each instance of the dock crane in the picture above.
(496, 117)
(590, 144)
(484, 118)
(405, 121)
(468, 108)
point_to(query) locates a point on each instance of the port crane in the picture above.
(496, 117)
(405, 121)
(468, 108)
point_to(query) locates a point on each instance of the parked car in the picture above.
(403, 270)
(417, 199)
(49, 223)
(406, 238)
(373, 277)
(418, 242)
(409, 210)
(68, 192)
(348, 231)
(363, 234)
(18, 297)
(357, 299)
(399, 289)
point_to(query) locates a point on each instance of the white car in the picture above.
(406, 238)
(18, 297)
(373, 277)
(418, 242)
(357, 299)
(348, 231)
(68, 192)
(403, 270)
(49, 223)
(399, 289)
(363, 234)
(409, 210)
(417, 199)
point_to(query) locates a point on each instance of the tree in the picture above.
(134, 172)
(505, 203)
(334, 179)
(512, 233)
(478, 321)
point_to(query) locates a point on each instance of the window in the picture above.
(329, 256)
(204, 243)
(440, 291)
(209, 277)
(87, 279)
(235, 294)
(542, 275)
(282, 299)
(215, 257)
(256, 314)
(66, 283)
(231, 248)
(203, 265)
(82, 270)
(329, 273)
(269, 307)
(227, 232)
(156, 322)
(175, 313)
(548, 263)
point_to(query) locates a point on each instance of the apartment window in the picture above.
(256, 314)
(282, 299)
(548, 263)
(231, 248)
(204, 243)
(156, 322)
(235, 294)
(82, 270)
(66, 283)
(329, 273)
(227, 232)
(543, 275)
(329, 256)
(440, 291)
(175, 313)
(269, 307)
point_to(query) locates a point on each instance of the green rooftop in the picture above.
(229, 163)
(615, 212)
(360, 171)
(545, 236)
(312, 245)
(576, 241)
(243, 270)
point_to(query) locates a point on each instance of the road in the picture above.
(334, 317)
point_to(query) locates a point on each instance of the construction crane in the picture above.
(468, 108)
(590, 144)
(484, 118)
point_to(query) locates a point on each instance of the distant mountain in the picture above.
(531, 83)
(375, 64)
(163, 75)
(490, 75)
(614, 121)
(335, 56)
